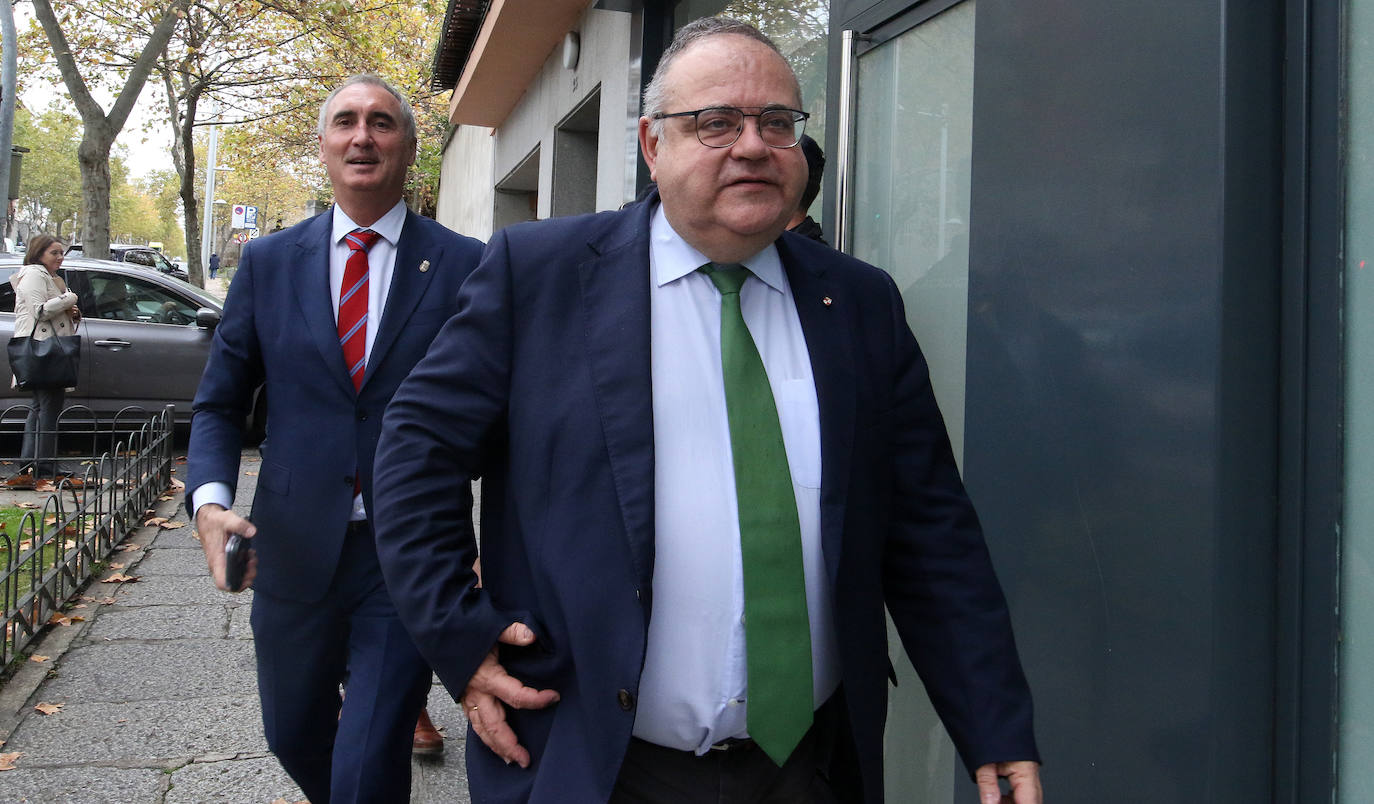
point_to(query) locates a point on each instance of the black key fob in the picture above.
(235, 561)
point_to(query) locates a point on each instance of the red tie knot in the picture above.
(361, 239)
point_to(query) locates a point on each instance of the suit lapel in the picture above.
(821, 308)
(408, 285)
(309, 273)
(615, 306)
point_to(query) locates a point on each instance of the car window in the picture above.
(6, 292)
(139, 258)
(123, 298)
(161, 263)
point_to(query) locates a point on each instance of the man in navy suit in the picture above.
(328, 317)
(591, 378)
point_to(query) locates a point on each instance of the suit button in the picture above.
(348, 481)
(627, 699)
(362, 415)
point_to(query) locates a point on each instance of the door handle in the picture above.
(844, 140)
(114, 344)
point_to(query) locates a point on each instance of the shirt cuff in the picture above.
(211, 493)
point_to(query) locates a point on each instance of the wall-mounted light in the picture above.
(572, 47)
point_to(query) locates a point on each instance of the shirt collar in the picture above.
(673, 258)
(388, 226)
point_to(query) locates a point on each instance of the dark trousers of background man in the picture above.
(304, 652)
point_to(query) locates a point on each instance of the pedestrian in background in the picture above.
(214, 265)
(42, 307)
(802, 223)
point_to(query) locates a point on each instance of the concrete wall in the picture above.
(465, 182)
(557, 92)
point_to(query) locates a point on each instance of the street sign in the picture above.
(250, 217)
(236, 219)
(253, 233)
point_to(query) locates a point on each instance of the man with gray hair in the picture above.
(327, 317)
(711, 459)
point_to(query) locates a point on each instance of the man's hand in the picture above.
(490, 687)
(214, 523)
(1023, 776)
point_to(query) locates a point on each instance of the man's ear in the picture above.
(648, 144)
(320, 139)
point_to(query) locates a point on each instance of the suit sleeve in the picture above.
(225, 395)
(939, 583)
(432, 444)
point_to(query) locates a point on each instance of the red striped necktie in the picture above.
(353, 303)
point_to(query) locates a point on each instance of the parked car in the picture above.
(145, 336)
(138, 255)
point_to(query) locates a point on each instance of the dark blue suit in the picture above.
(320, 605)
(542, 385)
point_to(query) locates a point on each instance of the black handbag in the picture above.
(51, 363)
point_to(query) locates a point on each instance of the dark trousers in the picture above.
(39, 451)
(356, 749)
(744, 774)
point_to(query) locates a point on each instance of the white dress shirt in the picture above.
(692, 690)
(381, 259)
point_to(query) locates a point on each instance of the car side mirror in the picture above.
(207, 318)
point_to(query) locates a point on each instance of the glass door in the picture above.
(906, 139)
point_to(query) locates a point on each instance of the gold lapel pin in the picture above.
(424, 266)
(827, 301)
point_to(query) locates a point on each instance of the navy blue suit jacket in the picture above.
(279, 328)
(541, 385)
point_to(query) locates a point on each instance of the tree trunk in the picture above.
(94, 156)
(190, 208)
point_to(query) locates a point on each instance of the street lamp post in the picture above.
(208, 217)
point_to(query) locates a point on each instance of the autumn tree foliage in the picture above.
(258, 69)
(145, 28)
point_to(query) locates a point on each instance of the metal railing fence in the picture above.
(60, 545)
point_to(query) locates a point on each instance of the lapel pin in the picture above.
(827, 301)
(424, 266)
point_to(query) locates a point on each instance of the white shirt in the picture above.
(381, 259)
(692, 690)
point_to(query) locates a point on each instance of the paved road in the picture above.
(158, 696)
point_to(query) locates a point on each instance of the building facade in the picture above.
(1132, 242)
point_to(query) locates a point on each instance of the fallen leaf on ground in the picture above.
(116, 565)
(177, 485)
(44, 485)
(124, 548)
(172, 525)
(38, 658)
(157, 520)
(25, 545)
(166, 497)
(49, 708)
(251, 474)
(59, 619)
(181, 459)
(120, 577)
(7, 760)
(77, 618)
(26, 504)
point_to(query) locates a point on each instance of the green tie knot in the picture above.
(728, 277)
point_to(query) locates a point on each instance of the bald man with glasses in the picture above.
(711, 461)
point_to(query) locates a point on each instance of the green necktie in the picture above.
(776, 629)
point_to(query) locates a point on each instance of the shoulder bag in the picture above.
(51, 363)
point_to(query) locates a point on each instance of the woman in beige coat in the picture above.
(42, 306)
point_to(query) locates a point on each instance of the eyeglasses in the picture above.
(721, 126)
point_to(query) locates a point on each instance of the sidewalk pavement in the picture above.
(152, 697)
